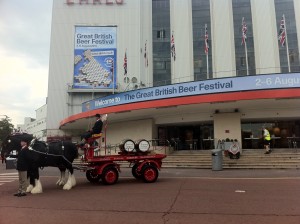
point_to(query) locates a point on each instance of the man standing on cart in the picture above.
(96, 129)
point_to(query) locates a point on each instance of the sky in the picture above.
(25, 28)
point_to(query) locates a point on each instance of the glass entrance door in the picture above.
(284, 134)
(188, 137)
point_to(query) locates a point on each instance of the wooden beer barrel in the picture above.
(142, 145)
(127, 145)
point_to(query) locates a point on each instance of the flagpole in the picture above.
(147, 69)
(172, 57)
(287, 45)
(147, 72)
(246, 54)
(206, 49)
(207, 65)
(113, 78)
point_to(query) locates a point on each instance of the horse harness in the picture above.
(47, 152)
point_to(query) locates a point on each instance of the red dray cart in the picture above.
(145, 164)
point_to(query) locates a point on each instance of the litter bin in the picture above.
(217, 159)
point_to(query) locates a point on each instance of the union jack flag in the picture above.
(206, 45)
(282, 32)
(244, 31)
(173, 52)
(125, 64)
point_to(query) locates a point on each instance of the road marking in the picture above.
(8, 177)
(240, 191)
(8, 174)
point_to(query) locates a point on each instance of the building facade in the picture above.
(178, 71)
(36, 126)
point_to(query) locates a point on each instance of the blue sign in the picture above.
(224, 85)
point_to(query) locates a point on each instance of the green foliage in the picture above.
(6, 128)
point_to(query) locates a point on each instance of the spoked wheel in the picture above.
(93, 176)
(149, 174)
(110, 175)
(135, 173)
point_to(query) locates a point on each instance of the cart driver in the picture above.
(96, 129)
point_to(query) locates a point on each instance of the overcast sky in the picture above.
(25, 27)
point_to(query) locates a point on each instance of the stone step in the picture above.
(250, 159)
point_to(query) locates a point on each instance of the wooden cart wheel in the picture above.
(110, 175)
(134, 171)
(93, 176)
(149, 174)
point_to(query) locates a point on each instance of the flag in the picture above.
(173, 53)
(282, 32)
(206, 46)
(146, 55)
(244, 31)
(125, 64)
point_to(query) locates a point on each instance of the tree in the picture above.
(6, 128)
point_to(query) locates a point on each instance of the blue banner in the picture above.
(224, 85)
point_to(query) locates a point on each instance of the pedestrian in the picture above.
(22, 167)
(96, 129)
(266, 139)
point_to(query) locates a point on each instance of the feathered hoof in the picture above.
(73, 180)
(67, 186)
(38, 188)
(60, 183)
(29, 188)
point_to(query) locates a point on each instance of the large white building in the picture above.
(36, 126)
(144, 64)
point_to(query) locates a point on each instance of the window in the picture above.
(161, 34)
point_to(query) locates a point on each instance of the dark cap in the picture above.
(98, 115)
(26, 139)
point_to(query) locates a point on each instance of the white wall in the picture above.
(146, 35)
(135, 130)
(227, 125)
(265, 37)
(222, 32)
(182, 69)
(297, 17)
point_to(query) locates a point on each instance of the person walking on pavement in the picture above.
(22, 167)
(267, 139)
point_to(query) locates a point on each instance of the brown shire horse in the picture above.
(59, 154)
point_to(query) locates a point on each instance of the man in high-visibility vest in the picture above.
(267, 139)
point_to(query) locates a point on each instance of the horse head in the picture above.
(12, 142)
